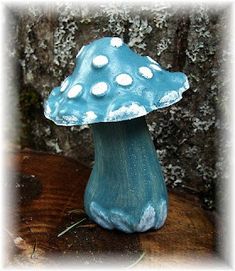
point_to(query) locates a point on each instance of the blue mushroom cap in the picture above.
(112, 83)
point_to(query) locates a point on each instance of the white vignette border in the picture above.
(227, 233)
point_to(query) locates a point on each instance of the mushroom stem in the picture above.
(126, 189)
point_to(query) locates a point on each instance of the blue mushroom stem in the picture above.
(126, 189)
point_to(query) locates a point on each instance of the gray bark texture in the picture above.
(189, 39)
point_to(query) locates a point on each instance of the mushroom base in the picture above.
(126, 189)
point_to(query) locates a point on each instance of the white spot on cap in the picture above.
(146, 72)
(62, 111)
(80, 51)
(170, 97)
(116, 42)
(186, 85)
(131, 111)
(89, 117)
(124, 79)
(100, 61)
(70, 118)
(48, 110)
(151, 60)
(64, 85)
(155, 67)
(99, 89)
(75, 91)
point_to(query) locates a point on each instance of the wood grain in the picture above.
(52, 200)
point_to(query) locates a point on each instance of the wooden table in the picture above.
(49, 197)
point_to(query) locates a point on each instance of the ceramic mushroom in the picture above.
(112, 88)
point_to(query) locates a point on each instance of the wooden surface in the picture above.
(49, 192)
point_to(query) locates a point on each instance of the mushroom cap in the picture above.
(112, 83)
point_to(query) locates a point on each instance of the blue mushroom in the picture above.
(112, 88)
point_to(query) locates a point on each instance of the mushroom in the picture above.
(112, 88)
